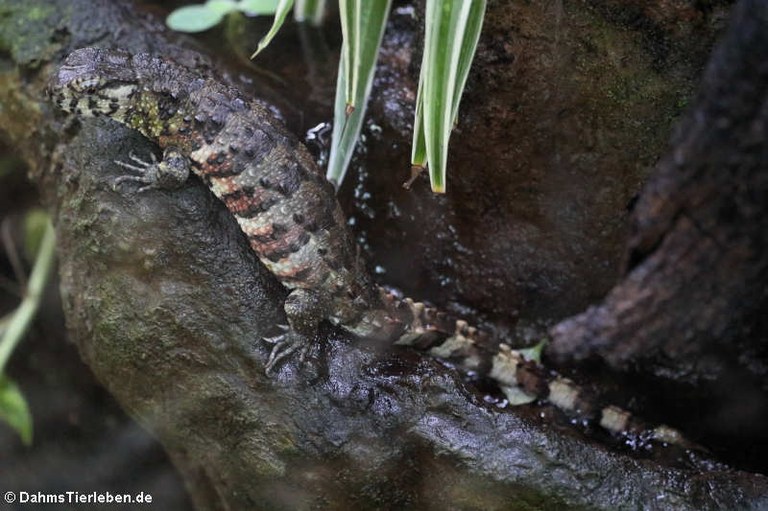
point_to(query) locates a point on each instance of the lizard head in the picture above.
(93, 81)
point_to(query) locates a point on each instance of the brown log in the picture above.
(167, 304)
(693, 294)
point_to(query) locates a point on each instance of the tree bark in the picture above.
(167, 305)
(694, 289)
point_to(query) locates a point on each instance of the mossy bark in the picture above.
(167, 305)
(693, 291)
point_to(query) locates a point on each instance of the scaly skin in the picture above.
(289, 212)
(264, 176)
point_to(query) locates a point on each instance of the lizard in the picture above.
(292, 219)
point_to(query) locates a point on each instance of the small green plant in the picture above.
(452, 30)
(200, 17)
(309, 10)
(362, 26)
(14, 409)
(534, 352)
(281, 11)
(40, 239)
(450, 40)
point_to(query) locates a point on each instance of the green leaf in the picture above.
(363, 23)
(35, 223)
(419, 145)
(193, 18)
(258, 7)
(474, 23)
(14, 410)
(350, 12)
(517, 396)
(452, 30)
(282, 10)
(442, 55)
(221, 6)
(21, 317)
(309, 10)
(534, 352)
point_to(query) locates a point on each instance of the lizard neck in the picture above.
(160, 117)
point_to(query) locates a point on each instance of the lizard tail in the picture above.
(522, 381)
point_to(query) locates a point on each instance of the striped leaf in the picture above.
(363, 23)
(283, 8)
(309, 10)
(450, 40)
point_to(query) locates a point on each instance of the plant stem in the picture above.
(25, 312)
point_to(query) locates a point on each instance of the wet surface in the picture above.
(564, 116)
(560, 125)
(82, 440)
(538, 188)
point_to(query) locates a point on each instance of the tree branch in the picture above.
(697, 265)
(167, 305)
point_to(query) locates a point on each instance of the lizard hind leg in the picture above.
(305, 309)
(167, 174)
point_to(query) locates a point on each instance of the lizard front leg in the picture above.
(304, 309)
(170, 173)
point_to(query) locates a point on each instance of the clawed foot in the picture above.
(285, 345)
(170, 173)
(147, 170)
